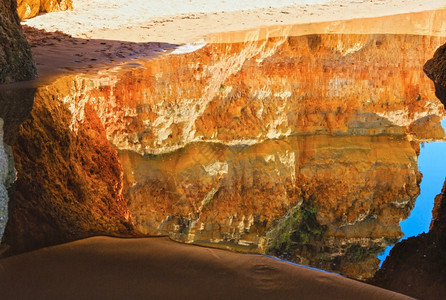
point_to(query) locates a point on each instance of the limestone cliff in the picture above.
(69, 184)
(246, 93)
(15, 106)
(229, 144)
(29, 8)
(16, 62)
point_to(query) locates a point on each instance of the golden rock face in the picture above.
(300, 146)
(30, 8)
(246, 93)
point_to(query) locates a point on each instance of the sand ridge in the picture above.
(157, 268)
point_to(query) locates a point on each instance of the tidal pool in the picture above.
(304, 142)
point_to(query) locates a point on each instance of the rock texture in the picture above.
(246, 93)
(69, 183)
(230, 144)
(417, 266)
(16, 62)
(7, 177)
(15, 106)
(29, 8)
(435, 68)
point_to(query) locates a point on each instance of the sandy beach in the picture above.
(157, 268)
(178, 22)
(100, 34)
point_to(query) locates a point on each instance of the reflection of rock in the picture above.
(219, 145)
(417, 266)
(249, 92)
(15, 54)
(30, 8)
(360, 187)
(435, 68)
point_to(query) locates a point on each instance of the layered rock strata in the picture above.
(231, 143)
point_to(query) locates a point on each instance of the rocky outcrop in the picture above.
(16, 62)
(416, 266)
(30, 8)
(7, 177)
(15, 106)
(69, 183)
(435, 68)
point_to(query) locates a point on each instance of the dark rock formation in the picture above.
(16, 62)
(435, 69)
(417, 266)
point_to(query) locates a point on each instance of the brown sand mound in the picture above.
(112, 268)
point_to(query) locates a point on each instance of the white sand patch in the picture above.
(91, 15)
(182, 21)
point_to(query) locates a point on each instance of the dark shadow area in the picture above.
(435, 69)
(15, 107)
(417, 266)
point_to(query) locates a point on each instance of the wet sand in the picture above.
(157, 268)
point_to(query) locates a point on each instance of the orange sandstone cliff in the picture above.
(301, 146)
(30, 8)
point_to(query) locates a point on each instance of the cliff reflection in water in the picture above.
(333, 202)
(308, 146)
(301, 146)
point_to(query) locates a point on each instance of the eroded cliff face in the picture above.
(69, 184)
(236, 145)
(29, 8)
